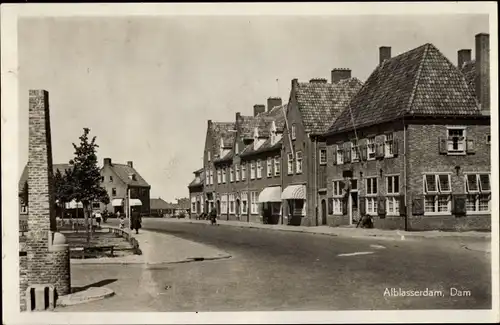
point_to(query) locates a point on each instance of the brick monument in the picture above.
(48, 261)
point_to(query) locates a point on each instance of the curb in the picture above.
(79, 298)
(191, 259)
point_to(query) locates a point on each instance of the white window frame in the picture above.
(371, 196)
(243, 172)
(371, 148)
(269, 167)
(290, 163)
(323, 158)
(392, 199)
(355, 154)
(232, 203)
(209, 156)
(254, 204)
(237, 172)
(389, 145)
(340, 155)
(294, 131)
(252, 170)
(259, 169)
(337, 197)
(277, 166)
(223, 203)
(219, 176)
(223, 176)
(436, 195)
(450, 140)
(231, 174)
(478, 194)
(244, 207)
(298, 162)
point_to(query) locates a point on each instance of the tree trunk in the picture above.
(86, 218)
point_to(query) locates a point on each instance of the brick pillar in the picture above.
(47, 252)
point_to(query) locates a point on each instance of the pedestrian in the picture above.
(213, 217)
(135, 221)
(98, 218)
(122, 220)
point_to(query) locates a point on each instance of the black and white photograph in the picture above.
(250, 163)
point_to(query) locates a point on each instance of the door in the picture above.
(218, 207)
(237, 209)
(353, 207)
(323, 212)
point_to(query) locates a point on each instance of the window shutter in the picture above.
(363, 148)
(418, 206)
(402, 205)
(362, 206)
(344, 207)
(330, 205)
(459, 205)
(334, 159)
(379, 150)
(381, 206)
(395, 147)
(347, 153)
(470, 145)
(443, 146)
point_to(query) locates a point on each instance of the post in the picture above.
(128, 207)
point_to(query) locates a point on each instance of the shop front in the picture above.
(270, 204)
(294, 197)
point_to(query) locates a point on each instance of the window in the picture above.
(340, 155)
(211, 179)
(478, 189)
(259, 169)
(392, 200)
(243, 172)
(237, 148)
(237, 172)
(354, 150)
(223, 203)
(252, 170)
(254, 204)
(110, 178)
(371, 193)
(294, 136)
(437, 189)
(337, 197)
(322, 156)
(244, 202)
(389, 145)
(96, 205)
(277, 166)
(231, 203)
(208, 156)
(231, 174)
(219, 176)
(269, 167)
(193, 204)
(370, 153)
(113, 191)
(223, 176)
(456, 140)
(290, 163)
(298, 162)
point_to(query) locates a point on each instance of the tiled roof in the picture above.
(223, 130)
(419, 82)
(123, 171)
(198, 180)
(263, 122)
(469, 71)
(320, 103)
(160, 204)
(227, 157)
(266, 146)
(24, 176)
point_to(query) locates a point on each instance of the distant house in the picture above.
(121, 179)
(161, 208)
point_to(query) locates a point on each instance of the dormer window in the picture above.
(132, 177)
(273, 133)
(236, 148)
(255, 137)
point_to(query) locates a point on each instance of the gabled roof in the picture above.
(199, 179)
(24, 176)
(223, 130)
(419, 82)
(320, 102)
(159, 204)
(123, 171)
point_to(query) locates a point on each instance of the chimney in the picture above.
(384, 53)
(273, 102)
(340, 74)
(130, 164)
(257, 109)
(483, 70)
(107, 161)
(318, 81)
(463, 56)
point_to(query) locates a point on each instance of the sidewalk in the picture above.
(350, 231)
(160, 248)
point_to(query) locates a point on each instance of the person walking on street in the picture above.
(98, 218)
(122, 220)
(135, 222)
(213, 217)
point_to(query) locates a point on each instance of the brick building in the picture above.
(196, 195)
(412, 148)
(121, 180)
(311, 108)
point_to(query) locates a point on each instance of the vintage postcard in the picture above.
(250, 163)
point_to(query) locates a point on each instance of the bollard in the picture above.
(40, 297)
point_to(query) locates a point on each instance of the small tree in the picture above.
(86, 177)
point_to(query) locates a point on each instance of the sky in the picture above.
(146, 86)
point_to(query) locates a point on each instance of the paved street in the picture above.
(273, 270)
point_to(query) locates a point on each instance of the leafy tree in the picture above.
(63, 187)
(85, 176)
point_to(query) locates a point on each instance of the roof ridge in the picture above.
(417, 77)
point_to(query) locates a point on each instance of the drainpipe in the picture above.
(316, 179)
(282, 208)
(404, 175)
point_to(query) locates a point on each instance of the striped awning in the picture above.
(135, 202)
(270, 194)
(294, 192)
(117, 202)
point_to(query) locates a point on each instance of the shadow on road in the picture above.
(97, 284)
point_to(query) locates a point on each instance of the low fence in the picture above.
(125, 234)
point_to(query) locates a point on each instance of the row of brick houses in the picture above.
(409, 147)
